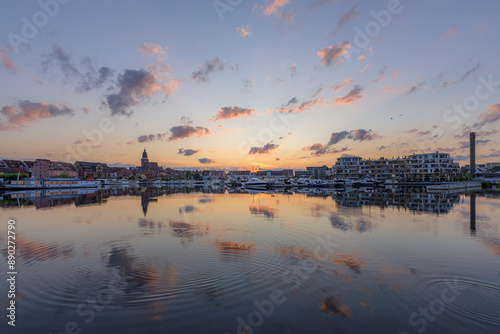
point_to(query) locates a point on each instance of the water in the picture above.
(165, 261)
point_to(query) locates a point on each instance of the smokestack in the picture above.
(473, 154)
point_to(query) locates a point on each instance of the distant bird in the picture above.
(391, 117)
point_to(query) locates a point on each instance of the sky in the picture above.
(248, 84)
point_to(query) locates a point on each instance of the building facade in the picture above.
(436, 167)
(94, 170)
(44, 169)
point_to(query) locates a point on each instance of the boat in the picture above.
(52, 183)
(70, 183)
(24, 184)
(255, 183)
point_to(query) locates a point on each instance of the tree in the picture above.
(13, 176)
(62, 176)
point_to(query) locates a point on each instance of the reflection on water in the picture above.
(171, 260)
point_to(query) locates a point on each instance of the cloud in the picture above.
(151, 137)
(450, 32)
(479, 28)
(247, 86)
(206, 161)
(264, 149)
(464, 76)
(275, 8)
(7, 61)
(491, 115)
(293, 70)
(362, 135)
(361, 58)
(188, 152)
(353, 96)
(345, 18)
(336, 137)
(320, 149)
(381, 148)
(355, 135)
(321, 3)
(160, 69)
(317, 92)
(27, 111)
(186, 131)
(342, 84)
(209, 67)
(134, 86)
(86, 74)
(381, 74)
(233, 112)
(330, 56)
(244, 31)
(413, 89)
(293, 105)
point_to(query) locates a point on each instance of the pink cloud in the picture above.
(353, 96)
(7, 61)
(244, 31)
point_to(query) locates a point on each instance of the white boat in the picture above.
(24, 184)
(255, 183)
(70, 183)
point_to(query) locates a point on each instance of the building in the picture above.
(490, 165)
(146, 164)
(436, 167)
(94, 170)
(44, 169)
(347, 167)
(17, 166)
(213, 175)
(288, 173)
(318, 172)
(239, 174)
(4, 169)
(302, 174)
(383, 169)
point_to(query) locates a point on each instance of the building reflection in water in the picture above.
(413, 199)
(473, 214)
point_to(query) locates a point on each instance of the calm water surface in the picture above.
(157, 261)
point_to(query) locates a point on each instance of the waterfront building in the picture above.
(302, 174)
(213, 175)
(288, 173)
(347, 167)
(238, 174)
(17, 166)
(490, 165)
(436, 167)
(384, 169)
(318, 172)
(94, 170)
(44, 168)
(146, 164)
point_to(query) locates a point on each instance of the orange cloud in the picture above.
(233, 112)
(353, 96)
(244, 31)
(27, 111)
(342, 84)
(330, 56)
(7, 61)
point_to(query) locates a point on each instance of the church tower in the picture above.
(144, 160)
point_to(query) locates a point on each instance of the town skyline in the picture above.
(272, 84)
